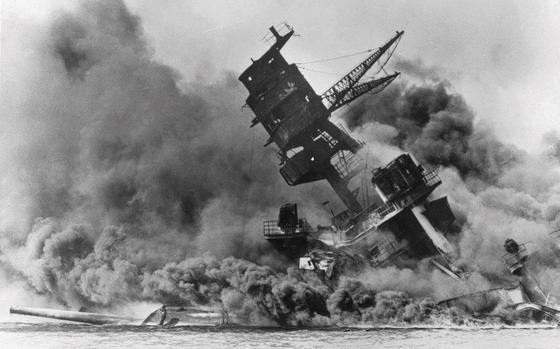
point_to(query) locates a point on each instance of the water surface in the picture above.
(75, 336)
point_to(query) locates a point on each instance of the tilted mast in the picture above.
(311, 147)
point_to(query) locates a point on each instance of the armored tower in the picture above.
(311, 148)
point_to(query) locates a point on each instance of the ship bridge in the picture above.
(401, 184)
(311, 148)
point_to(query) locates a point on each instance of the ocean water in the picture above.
(75, 336)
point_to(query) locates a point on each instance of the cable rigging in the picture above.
(335, 58)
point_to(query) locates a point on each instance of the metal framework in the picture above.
(311, 147)
(351, 94)
(333, 95)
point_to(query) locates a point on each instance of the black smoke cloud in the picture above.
(496, 190)
(120, 176)
(123, 167)
(436, 125)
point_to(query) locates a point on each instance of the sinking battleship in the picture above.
(404, 225)
(312, 148)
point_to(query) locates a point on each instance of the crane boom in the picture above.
(341, 87)
(358, 90)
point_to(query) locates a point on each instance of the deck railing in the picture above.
(346, 163)
(377, 216)
(383, 251)
(431, 177)
(271, 228)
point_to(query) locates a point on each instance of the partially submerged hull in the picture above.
(512, 299)
(487, 301)
(188, 316)
(312, 148)
(404, 226)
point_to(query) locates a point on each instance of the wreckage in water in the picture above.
(526, 297)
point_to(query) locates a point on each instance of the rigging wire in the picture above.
(347, 109)
(388, 55)
(320, 71)
(335, 58)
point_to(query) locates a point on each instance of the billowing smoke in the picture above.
(496, 190)
(437, 126)
(125, 183)
(118, 167)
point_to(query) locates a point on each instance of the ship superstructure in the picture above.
(525, 298)
(404, 225)
(312, 148)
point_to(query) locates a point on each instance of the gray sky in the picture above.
(501, 55)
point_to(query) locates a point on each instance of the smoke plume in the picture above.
(495, 190)
(437, 127)
(125, 183)
(120, 167)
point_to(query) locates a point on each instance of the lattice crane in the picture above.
(363, 88)
(342, 92)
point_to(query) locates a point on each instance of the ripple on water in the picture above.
(66, 335)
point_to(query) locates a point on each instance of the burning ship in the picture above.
(408, 222)
(404, 224)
